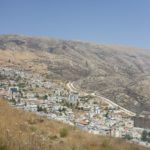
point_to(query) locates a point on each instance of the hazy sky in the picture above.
(124, 22)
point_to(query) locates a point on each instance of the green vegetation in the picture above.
(145, 136)
(128, 137)
(105, 144)
(39, 108)
(63, 132)
(45, 97)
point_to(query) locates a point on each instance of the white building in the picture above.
(73, 98)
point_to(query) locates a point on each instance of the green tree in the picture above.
(45, 110)
(144, 135)
(39, 108)
(45, 97)
(128, 137)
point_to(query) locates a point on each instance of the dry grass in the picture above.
(20, 130)
(16, 56)
(19, 58)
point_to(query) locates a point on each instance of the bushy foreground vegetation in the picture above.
(21, 130)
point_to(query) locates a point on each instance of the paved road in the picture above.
(73, 89)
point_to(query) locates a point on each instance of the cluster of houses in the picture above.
(35, 93)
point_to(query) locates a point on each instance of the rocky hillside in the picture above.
(119, 73)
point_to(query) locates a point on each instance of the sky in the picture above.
(123, 22)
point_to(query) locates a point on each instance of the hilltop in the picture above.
(26, 131)
(119, 73)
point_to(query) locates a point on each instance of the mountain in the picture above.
(119, 73)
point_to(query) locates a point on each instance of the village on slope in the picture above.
(53, 99)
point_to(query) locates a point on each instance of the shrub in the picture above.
(3, 147)
(144, 135)
(53, 137)
(105, 143)
(74, 147)
(33, 128)
(2, 144)
(128, 137)
(45, 97)
(63, 132)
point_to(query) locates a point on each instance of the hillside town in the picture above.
(53, 99)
